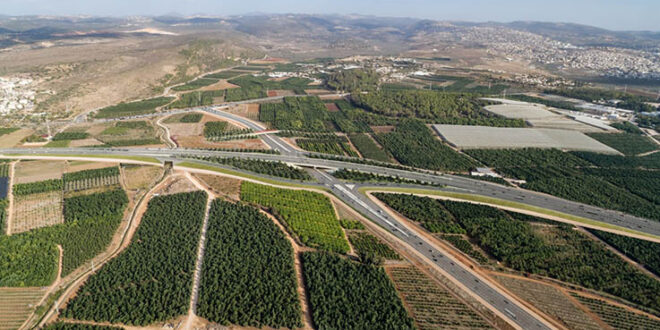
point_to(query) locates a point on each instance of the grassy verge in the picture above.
(246, 175)
(510, 204)
(135, 158)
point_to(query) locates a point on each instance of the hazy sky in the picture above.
(612, 14)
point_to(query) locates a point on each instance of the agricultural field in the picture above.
(369, 247)
(628, 144)
(651, 161)
(349, 295)
(424, 210)
(140, 177)
(16, 305)
(248, 276)
(195, 84)
(30, 258)
(412, 144)
(351, 224)
(550, 301)
(308, 215)
(277, 169)
(569, 176)
(199, 98)
(78, 326)
(224, 74)
(132, 108)
(296, 114)
(36, 210)
(537, 115)
(368, 147)
(214, 128)
(191, 118)
(26, 171)
(618, 317)
(463, 245)
(431, 305)
(253, 87)
(646, 253)
(129, 133)
(436, 107)
(334, 145)
(160, 258)
(555, 251)
(92, 178)
(70, 136)
(477, 137)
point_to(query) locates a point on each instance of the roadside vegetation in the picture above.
(276, 168)
(357, 176)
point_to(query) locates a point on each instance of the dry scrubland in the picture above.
(103, 72)
(482, 137)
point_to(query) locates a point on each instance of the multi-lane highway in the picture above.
(460, 272)
(349, 193)
(450, 182)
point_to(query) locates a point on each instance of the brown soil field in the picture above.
(178, 185)
(282, 92)
(331, 107)
(97, 129)
(316, 91)
(200, 142)
(331, 97)
(80, 165)
(141, 177)
(278, 78)
(14, 138)
(85, 143)
(382, 129)
(220, 85)
(250, 111)
(269, 60)
(221, 185)
(271, 94)
(191, 129)
(36, 211)
(38, 170)
(16, 305)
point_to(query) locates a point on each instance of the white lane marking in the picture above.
(368, 208)
(270, 138)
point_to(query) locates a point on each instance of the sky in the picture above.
(610, 14)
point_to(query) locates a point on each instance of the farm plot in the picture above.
(618, 317)
(151, 280)
(297, 114)
(133, 108)
(349, 295)
(248, 275)
(644, 252)
(27, 171)
(78, 326)
(550, 301)
(627, 143)
(16, 305)
(129, 133)
(477, 137)
(368, 147)
(30, 258)
(368, 246)
(93, 178)
(412, 144)
(276, 168)
(537, 116)
(308, 215)
(37, 211)
(431, 305)
(335, 145)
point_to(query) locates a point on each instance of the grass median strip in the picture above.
(509, 204)
(145, 159)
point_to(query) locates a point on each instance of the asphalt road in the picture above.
(349, 195)
(452, 183)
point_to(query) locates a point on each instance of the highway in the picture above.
(507, 306)
(451, 182)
